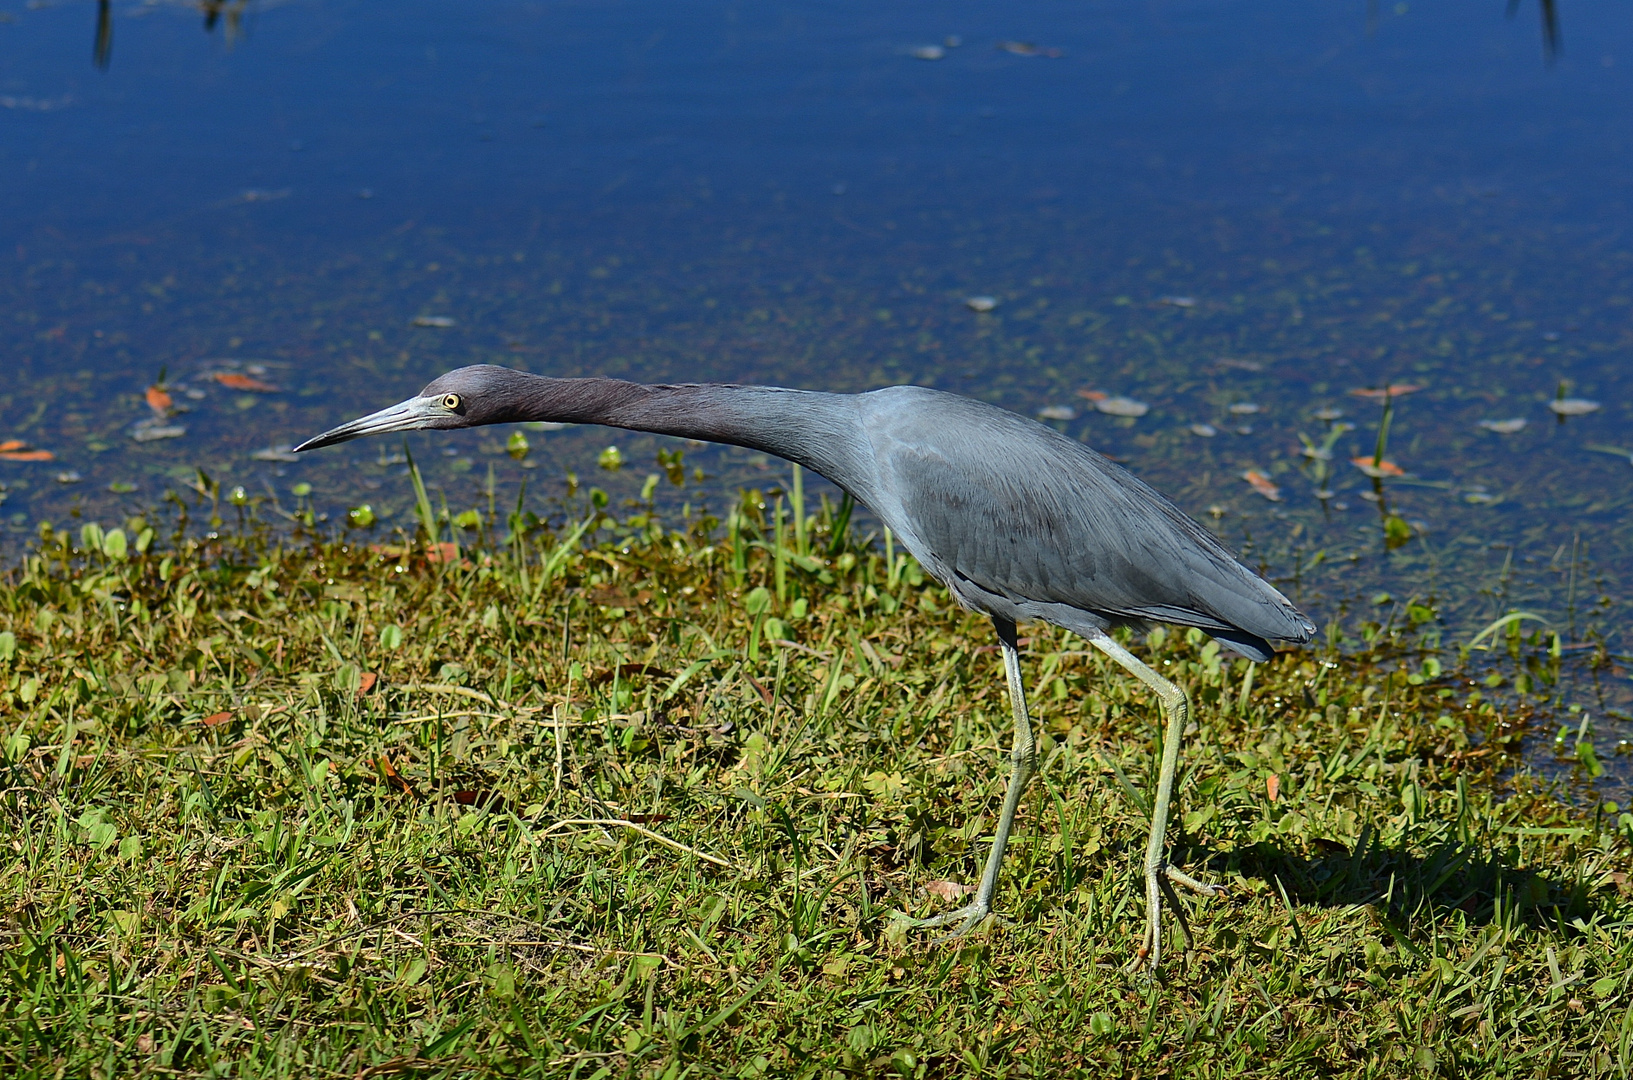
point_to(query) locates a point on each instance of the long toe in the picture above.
(1202, 888)
(967, 918)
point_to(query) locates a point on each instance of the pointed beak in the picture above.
(410, 415)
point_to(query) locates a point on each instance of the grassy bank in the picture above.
(640, 802)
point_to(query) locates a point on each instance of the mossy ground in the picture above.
(640, 804)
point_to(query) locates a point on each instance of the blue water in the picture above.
(1197, 204)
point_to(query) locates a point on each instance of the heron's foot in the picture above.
(1201, 888)
(967, 918)
(1160, 881)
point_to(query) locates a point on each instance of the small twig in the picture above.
(643, 830)
(560, 711)
(462, 691)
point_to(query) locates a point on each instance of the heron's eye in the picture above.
(450, 402)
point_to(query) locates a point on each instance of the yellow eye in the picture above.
(450, 402)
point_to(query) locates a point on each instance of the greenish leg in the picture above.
(1023, 758)
(1158, 873)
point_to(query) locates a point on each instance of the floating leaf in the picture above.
(27, 455)
(517, 446)
(1027, 48)
(1393, 390)
(283, 452)
(1396, 531)
(981, 303)
(1504, 427)
(927, 52)
(158, 400)
(151, 431)
(1092, 395)
(234, 381)
(1206, 431)
(1573, 406)
(1057, 412)
(361, 516)
(1245, 408)
(439, 322)
(1262, 484)
(1377, 468)
(611, 459)
(1177, 301)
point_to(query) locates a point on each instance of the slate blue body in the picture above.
(1017, 520)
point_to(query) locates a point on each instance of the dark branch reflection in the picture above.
(1549, 10)
(102, 47)
(228, 14)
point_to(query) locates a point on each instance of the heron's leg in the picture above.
(1023, 758)
(1157, 871)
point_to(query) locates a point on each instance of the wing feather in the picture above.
(1026, 514)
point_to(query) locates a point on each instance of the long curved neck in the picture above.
(818, 431)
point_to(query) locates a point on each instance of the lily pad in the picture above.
(1122, 406)
(1573, 406)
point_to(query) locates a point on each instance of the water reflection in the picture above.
(1550, 25)
(229, 14)
(102, 47)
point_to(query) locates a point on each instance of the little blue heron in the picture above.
(1016, 520)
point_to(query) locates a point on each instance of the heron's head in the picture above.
(466, 397)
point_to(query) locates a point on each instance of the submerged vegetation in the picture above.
(623, 799)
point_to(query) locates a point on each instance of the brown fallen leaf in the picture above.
(392, 778)
(234, 381)
(1262, 484)
(159, 400)
(1093, 395)
(12, 444)
(1272, 786)
(628, 671)
(482, 800)
(1393, 390)
(27, 455)
(216, 719)
(1377, 470)
(366, 681)
(947, 890)
(446, 551)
